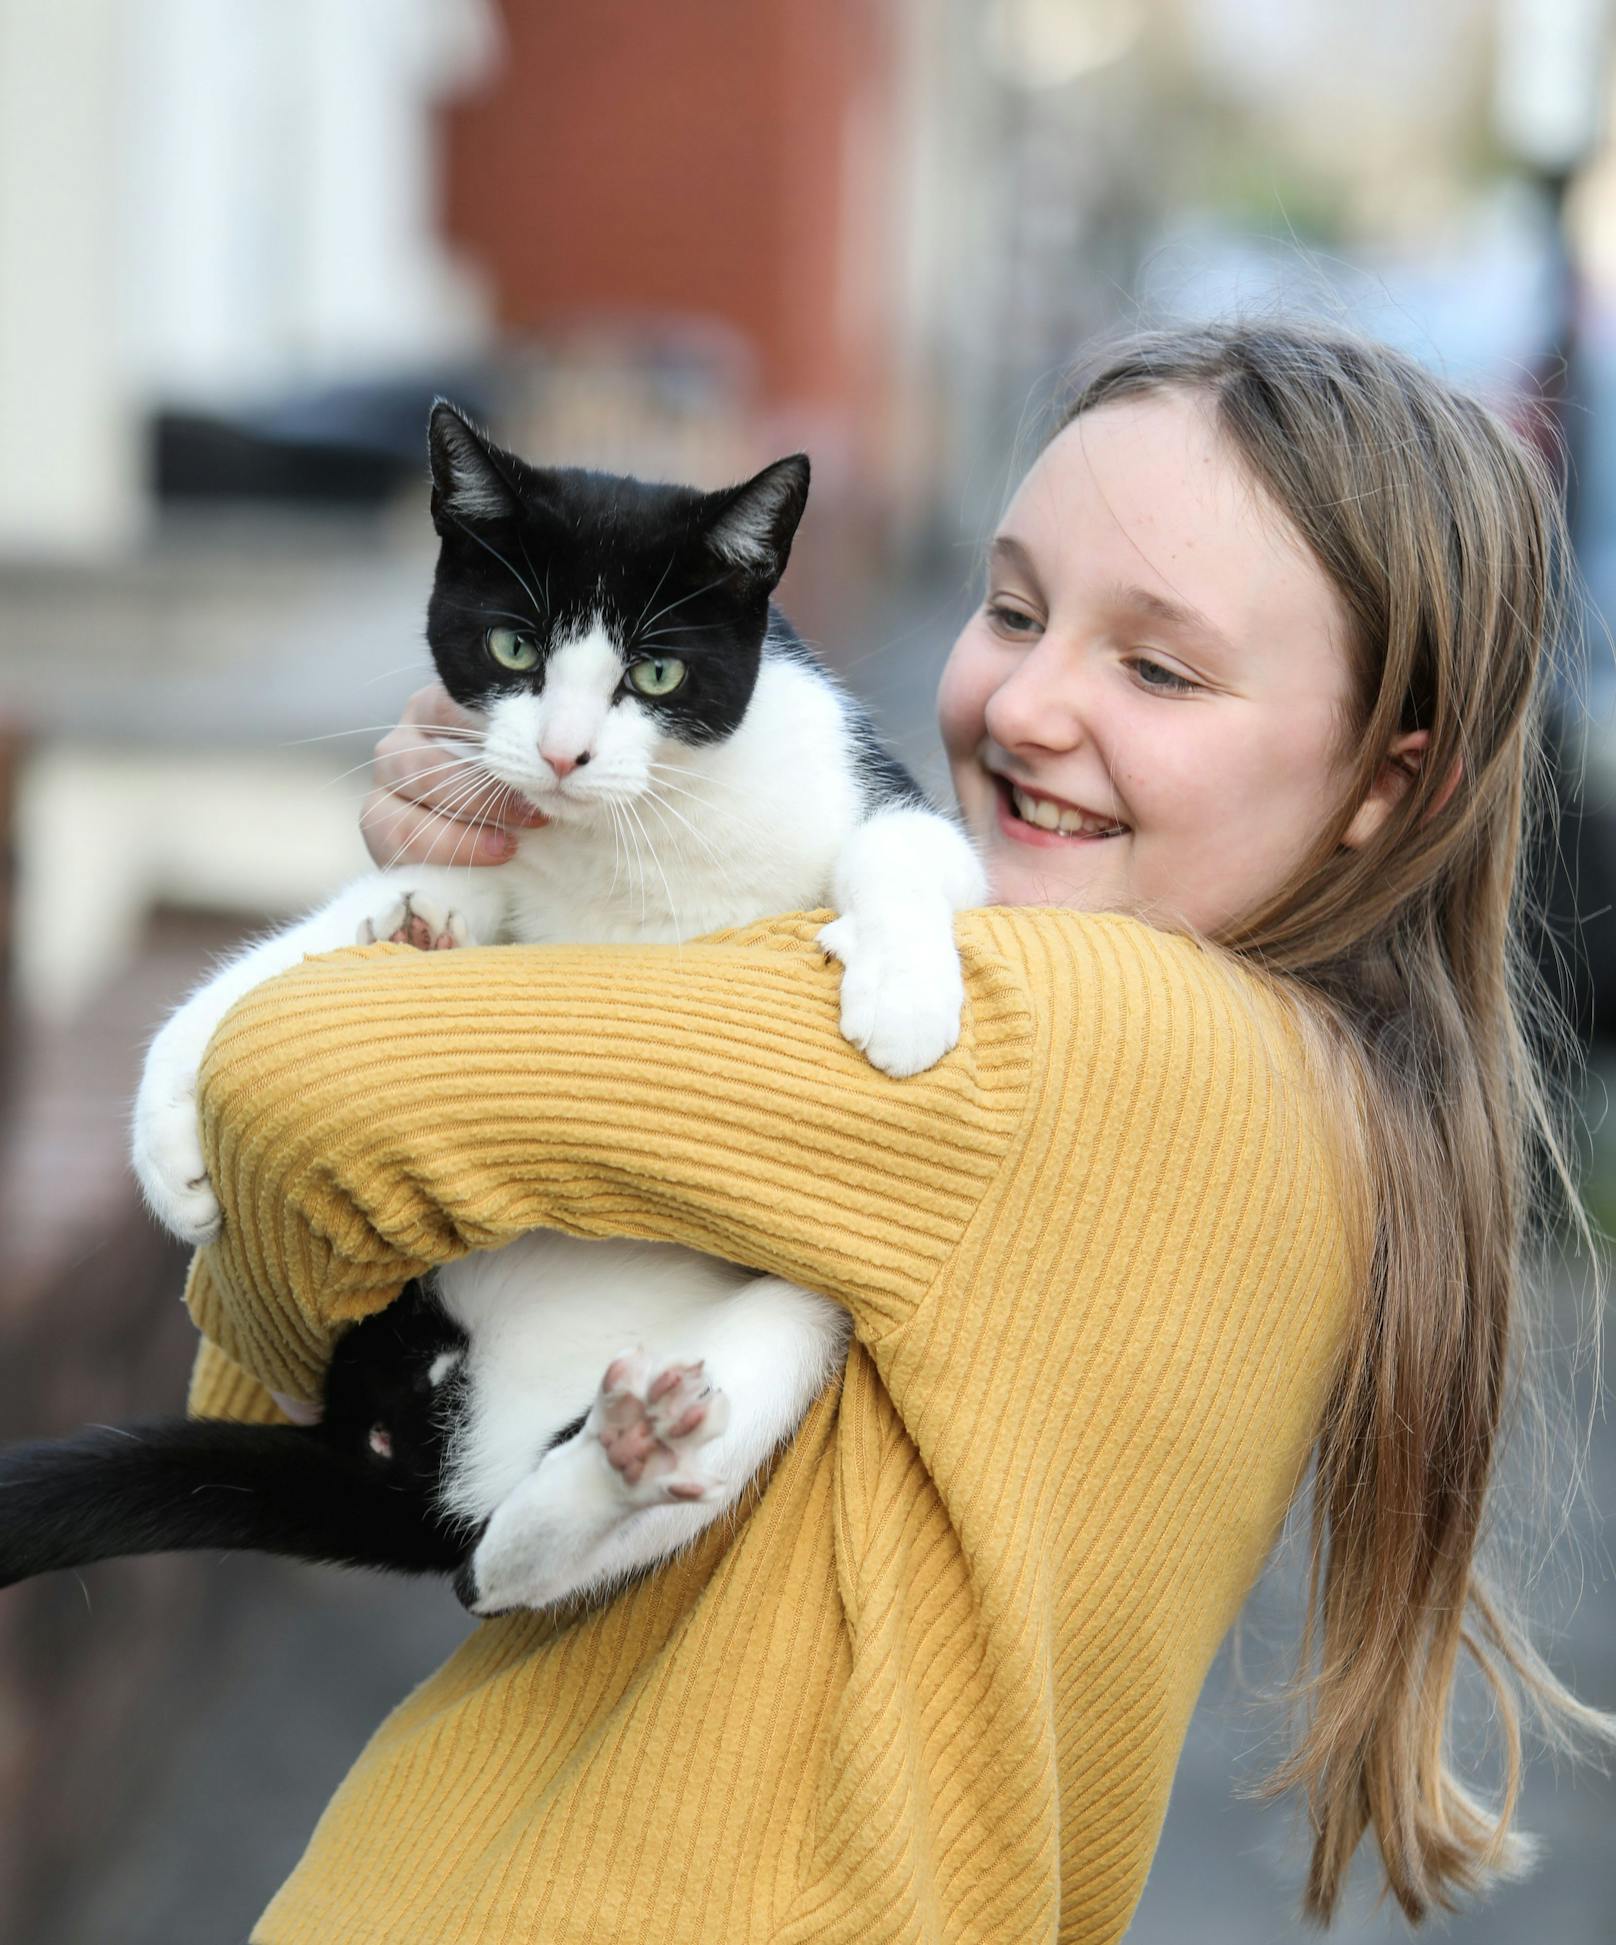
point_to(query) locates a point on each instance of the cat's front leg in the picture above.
(166, 1134)
(899, 881)
(435, 908)
(166, 1138)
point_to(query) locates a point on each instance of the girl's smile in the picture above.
(1034, 817)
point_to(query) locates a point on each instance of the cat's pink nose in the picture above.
(564, 765)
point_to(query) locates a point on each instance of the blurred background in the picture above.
(242, 247)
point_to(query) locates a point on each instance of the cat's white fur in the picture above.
(650, 839)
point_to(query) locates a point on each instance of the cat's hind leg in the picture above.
(655, 1425)
(580, 1525)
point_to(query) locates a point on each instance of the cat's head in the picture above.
(596, 621)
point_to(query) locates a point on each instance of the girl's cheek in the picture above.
(961, 698)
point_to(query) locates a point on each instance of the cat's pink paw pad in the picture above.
(418, 921)
(653, 1420)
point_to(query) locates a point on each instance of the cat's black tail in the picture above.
(187, 1483)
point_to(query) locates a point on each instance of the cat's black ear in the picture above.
(750, 527)
(472, 479)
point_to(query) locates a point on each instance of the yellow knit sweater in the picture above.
(933, 1683)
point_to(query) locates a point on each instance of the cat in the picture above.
(631, 679)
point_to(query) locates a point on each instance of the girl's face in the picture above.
(1145, 714)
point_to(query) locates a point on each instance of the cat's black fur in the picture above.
(552, 547)
(358, 1488)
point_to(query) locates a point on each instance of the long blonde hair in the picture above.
(1441, 533)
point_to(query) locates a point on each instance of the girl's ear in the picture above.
(1401, 767)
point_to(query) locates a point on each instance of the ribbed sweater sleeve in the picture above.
(376, 1112)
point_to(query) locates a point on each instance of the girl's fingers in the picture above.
(429, 805)
(440, 773)
(397, 831)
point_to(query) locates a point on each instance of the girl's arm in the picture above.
(371, 1114)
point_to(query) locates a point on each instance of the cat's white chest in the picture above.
(577, 901)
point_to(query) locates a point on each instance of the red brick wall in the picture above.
(634, 157)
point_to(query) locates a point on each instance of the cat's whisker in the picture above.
(655, 797)
(677, 628)
(521, 540)
(720, 866)
(674, 606)
(472, 828)
(663, 810)
(740, 791)
(374, 813)
(634, 631)
(404, 668)
(410, 836)
(480, 823)
(471, 787)
(444, 811)
(498, 806)
(487, 549)
(475, 778)
(641, 877)
(665, 779)
(654, 792)
(663, 767)
(673, 907)
(364, 729)
(494, 614)
(617, 857)
(475, 737)
(436, 769)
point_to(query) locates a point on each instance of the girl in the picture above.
(1231, 1173)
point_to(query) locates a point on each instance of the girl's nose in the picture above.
(1038, 705)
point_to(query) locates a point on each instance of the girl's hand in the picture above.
(419, 810)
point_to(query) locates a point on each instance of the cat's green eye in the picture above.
(656, 675)
(512, 650)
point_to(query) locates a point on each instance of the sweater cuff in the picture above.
(221, 1389)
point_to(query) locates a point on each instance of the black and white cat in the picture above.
(699, 770)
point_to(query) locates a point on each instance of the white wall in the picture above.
(69, 478)
(281, 190)
(202, 202)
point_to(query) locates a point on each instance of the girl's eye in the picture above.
(656, 675)
(512, 650)
(1154, 676)
(1011, 621)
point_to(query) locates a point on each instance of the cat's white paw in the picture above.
(418, 919)
(167, 1151)
(652, 1420)
(901, 992)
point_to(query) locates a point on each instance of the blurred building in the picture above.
(241, 248)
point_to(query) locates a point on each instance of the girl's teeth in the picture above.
(1050, 817)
